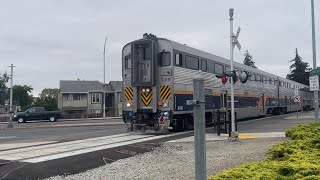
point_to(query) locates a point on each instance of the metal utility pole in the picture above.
(316, 102)
(233, 41)
(199, 128)
(10, 125)
(104, 78)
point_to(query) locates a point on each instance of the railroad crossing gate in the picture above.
(297, 99)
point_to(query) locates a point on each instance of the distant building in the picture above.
(86, 97)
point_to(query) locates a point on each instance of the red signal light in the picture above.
(224, 79)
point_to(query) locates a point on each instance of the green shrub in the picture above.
(297, 159)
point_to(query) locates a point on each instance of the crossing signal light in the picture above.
(244, 76)
(232, 74)
(224, 79)
(223, 76)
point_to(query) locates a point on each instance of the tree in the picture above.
(4, 90)
(299, 70)
(22, 96)
(49, 103)
(248, 59)
(48, 99)
(49, 92)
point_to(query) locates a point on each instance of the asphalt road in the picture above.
(60, 130)
(101, 144)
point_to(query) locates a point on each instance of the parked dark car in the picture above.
(37, 113)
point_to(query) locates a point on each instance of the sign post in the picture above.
(297, 100)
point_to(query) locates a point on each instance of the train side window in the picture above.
(204, 65)
(258, 78)
(253, 77)
(165, 59)
(270, 81)
(210, 66)
(127, 62)
(218, 69)
(147, 53)
(178, 59)
(227, 68)
(192, 62)
(265, 81)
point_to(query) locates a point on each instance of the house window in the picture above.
(69, 97)
(77, 97)
(95, 98)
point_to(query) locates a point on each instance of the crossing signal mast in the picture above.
(243, 76)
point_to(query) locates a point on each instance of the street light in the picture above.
(104, 77)
(10, 125)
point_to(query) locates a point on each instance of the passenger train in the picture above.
(158, 80)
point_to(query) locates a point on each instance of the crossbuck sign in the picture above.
(296, 99)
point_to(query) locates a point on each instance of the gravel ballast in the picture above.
(176, 161)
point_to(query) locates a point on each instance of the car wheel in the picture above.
(52, 119)
(21, 120)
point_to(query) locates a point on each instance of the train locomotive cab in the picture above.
(145, 107)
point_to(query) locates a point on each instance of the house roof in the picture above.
(116, 85)
(70, 86)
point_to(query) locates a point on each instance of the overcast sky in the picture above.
(52, 40)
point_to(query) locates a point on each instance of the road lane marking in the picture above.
(92, 149)
(7, 137)
(59, 150)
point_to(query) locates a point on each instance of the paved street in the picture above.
(60, 130)
(38, 152)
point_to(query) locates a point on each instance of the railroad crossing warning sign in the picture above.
(296, 99)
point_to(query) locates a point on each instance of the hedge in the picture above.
(296, 159)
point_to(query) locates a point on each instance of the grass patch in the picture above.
(297, 159)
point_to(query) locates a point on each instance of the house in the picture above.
(86, 97)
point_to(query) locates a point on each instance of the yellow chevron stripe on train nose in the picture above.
(128, 93)
(146, 97)
(165, 92)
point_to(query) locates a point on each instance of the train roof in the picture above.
(197, 52)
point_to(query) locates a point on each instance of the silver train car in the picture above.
(158, 79)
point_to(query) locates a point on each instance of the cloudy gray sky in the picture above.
(52, 40)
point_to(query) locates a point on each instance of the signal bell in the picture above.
(244, 76)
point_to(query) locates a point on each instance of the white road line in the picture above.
(59, 150)
(87, 150)
(258, 119)
(60, 144)
(7, 137)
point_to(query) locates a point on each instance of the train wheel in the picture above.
(179, 126)
(189, 123)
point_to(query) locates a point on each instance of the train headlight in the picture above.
(143, 90)
(165, 104)
(128, 104)
(148, 90)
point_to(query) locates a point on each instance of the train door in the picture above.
(263, 104)
(289, 103)
(223, 99)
